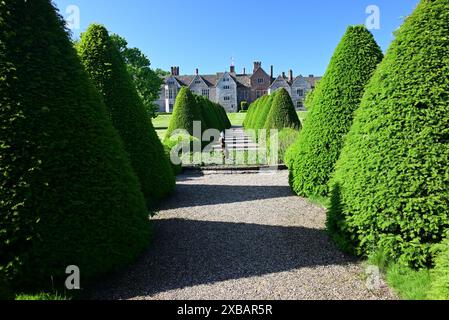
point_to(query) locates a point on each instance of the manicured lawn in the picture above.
(302, 116)
(162, 121)
(237, 118)
(161, 124)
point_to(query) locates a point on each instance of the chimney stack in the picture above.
(283, 75)
(311, 75)
(290, 76)
(244, 71)
(232, 69)
(172, 71)
(257, 65)
(272, 72)
(197, 72)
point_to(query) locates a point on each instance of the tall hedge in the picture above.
(68, 195)
(282, 113)
(391, 187)
(339, 95)
(250, 115)
(107, 69)
(185, 112)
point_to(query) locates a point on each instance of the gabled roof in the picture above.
(260, 68)
(174, 78)
(280, 78)
(203, 80)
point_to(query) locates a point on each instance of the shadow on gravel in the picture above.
(187, 253)
(197, 195)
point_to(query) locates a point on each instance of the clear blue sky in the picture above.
(205, 34)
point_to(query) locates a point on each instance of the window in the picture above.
(227, 98)
(299, 105)
(258, 93)
(226, 87)
(171, 82)
(197, 81)
(260, 80)
(300, 92)
(205, 93)
(172, 93)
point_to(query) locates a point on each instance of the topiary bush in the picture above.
(244, 106)
(330, 118)
(68, 194)
(185, 112)
(107, 69)
(282, 112)
(261, 116)
(392, 180)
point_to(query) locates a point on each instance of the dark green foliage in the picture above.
(190, 107)
(440, 274)
(177, 169)
(244, 106)
(68, 194)
(108, 71)
(185, 112)
(210, 119)
(225, 122)
(5, 291)
(334, 102)
(393, 173)
(282, 113)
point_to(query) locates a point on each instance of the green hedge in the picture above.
(261, 116)
(185, 112)
(330, 118)
(282, 113)
(68, 193)
(391, 187)
(190, 107)
(440, 274)
(104, 64)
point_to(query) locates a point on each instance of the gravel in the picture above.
(240, 237)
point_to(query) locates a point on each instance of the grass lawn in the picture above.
(302, 116)
(162, 121)
(161, 124)
(237, 118)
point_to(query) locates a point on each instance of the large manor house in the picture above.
(230, 88)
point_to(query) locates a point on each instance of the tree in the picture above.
(390, 188)
(148, 82)
(329, 120)
(67, 191)
(107, 70)
(282, 114)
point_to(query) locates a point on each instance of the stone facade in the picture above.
(229, 88)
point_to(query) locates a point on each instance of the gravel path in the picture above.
(240, 236)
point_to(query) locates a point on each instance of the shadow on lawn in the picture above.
(187, 253)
